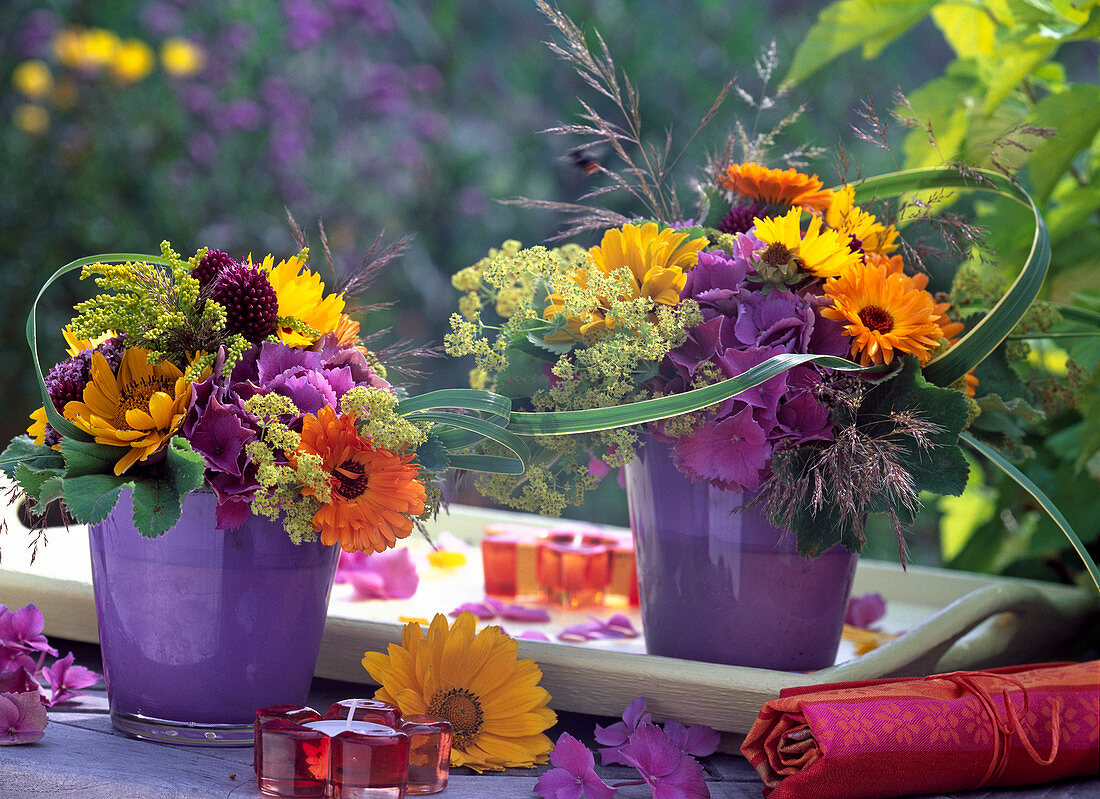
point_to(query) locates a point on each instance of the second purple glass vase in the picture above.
(718, 583)
(199, 627)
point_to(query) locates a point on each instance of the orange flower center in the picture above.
(877, 319)
(462, 708)
(351, 478)
(135, 397)
(776, 254)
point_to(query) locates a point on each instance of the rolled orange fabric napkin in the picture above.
(949, 732)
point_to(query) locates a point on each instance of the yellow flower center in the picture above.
(877, 319)
(462, 708)
(136, 396)
(351, 479)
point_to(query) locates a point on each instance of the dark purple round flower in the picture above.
(251, 307)
(213, 263)
(739, 218)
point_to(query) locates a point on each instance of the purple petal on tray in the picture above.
(865, 610)
(524, 613)
(533, 635)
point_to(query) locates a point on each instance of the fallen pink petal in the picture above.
(865, 610)
(384, 575)
(484, 610)
(524, 613)
(533, 635)
(66, 680)
(670, 773)
(574, 773)
(22, 718)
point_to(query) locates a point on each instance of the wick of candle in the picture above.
(351, 713)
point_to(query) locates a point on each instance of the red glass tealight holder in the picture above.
(299, 714)
(429, 753)
(622, 584)
(366, 710)
(575, 567)
(370, 761)
(509, 557)
(293, 760)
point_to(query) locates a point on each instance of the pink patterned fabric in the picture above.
(948, 732)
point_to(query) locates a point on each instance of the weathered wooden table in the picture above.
(83, 756)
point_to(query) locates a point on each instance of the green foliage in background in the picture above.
(1020, 96)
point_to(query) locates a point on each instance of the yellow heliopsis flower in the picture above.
(492, 700)
(139, 409)
(301, 295)
(37, 429)
(133, 61)
(77, 345)
(845, 216)
(776, 186)
(658, 262)
(181, 58)
(885, 313)
(822, 253)
(33, 79)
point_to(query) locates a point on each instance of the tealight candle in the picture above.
(366, 710)
(429, 753)
(509, 557)
(368, 764)
(295, 713)
(294, 760)
(574, 567)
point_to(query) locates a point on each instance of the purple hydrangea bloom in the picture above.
(219, 428)
(742, 327)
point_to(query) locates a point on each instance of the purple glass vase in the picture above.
(718, 583)
(199, 627)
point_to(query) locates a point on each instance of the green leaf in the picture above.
(87, 457)
(482, 427)
(941, 469)
(490, 464)
(540, 344)
(843, 26)
(157, 506)
(467, 399)
(185, 467)
(1075, 116)
(431, 456)
(23, 452)
(89, 498)
(32, 482)
(1025, 483)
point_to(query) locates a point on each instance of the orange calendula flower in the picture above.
(474, 680)
(374, 491)
(885, 314)
(776, 186)
(140, 408)
(822, 253)
(658, 261)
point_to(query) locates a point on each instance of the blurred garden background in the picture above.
(129, 122)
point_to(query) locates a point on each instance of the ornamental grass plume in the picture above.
(473, 680)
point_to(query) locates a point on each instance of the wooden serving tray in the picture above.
(948, 621)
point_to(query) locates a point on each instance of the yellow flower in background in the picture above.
(844, 215)
(33, 79)
(140, 408)
(885, 314)
(657, 260)
(822, 253)
(133, 61)
(91, 48)
(31, 119)
(301, 294)
(181, 58)
(475, 681)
